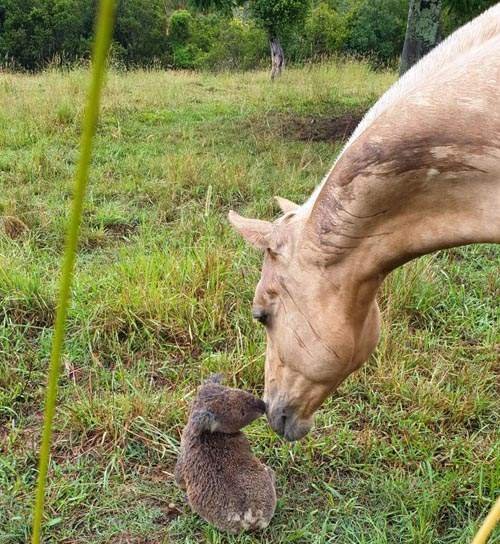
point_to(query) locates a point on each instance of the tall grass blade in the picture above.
(101, 46)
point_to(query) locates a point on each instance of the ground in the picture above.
(405, 452)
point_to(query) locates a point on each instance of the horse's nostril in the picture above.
(260, 315)
(279, 415)
(282, 422)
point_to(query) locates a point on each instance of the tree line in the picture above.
(221, 34)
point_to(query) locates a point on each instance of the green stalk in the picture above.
(100, 51)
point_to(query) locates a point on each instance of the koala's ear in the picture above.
(215, 378)
(204, 421)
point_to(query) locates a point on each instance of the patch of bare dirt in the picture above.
(107, 235)
(322, 129)
(13, 227)
(121, 230)
(129, 538)
(333, 128)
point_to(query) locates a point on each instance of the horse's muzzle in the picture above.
(284, 420)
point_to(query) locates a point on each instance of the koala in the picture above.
(225, 484)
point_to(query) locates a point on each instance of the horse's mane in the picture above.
(471, 35)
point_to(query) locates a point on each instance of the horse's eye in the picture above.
(260, 315)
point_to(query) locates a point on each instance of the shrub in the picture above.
(458, 12)
(239, 45)
(180, 26)
(377, 28)
(33, 32)
(140, 29)
(277, 17)
(27, 32)
(215, 41)
(325, 30)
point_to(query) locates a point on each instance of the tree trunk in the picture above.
(277, 57)
(422, 31)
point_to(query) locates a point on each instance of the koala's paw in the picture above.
(250, 520)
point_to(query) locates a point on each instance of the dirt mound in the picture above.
(13, 227)
(322, 129)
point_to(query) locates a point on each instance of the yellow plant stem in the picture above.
(104, 28)
(489, 524)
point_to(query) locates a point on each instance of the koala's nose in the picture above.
(261, 406)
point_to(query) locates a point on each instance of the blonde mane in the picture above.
(471, 35)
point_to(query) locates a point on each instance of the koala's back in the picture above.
(226, 484)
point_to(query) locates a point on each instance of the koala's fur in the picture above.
(225, 484)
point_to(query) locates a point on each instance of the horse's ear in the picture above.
(286, 205)
(255, 231)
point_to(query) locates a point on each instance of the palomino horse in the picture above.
(420, 173)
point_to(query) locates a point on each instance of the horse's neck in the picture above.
(471, 36)
(424, 176)
(415, 214)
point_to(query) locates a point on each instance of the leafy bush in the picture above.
(180, 26)
(278, 16)
(376, 28)
(239, 45)
(188, 38)
(458, 12)
(186, 56)
(215, 41)
(33, 32)
(140, 29)
(325, 30)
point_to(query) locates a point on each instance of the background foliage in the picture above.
(213, 34)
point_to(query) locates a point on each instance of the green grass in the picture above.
(406, 452)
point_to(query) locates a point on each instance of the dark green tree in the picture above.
(458, 12)
(428, 20)
(26, 32)
(376, 28)
(224, 7)
(72, 28)
(422, 31)
(35, 32)
(277, 17)
(141, 31)
(325, 30)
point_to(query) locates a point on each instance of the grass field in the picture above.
(406, 452)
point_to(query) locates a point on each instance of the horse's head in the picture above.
(318, 332)
(418, 174)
